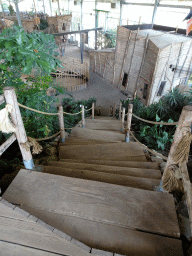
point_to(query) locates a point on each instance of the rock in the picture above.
(51, 92)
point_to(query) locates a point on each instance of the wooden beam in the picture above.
(155, 10)
(2, 99)
(7, 143)
(76, 32)
(160, 5)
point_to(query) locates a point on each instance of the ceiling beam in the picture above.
(160, 5)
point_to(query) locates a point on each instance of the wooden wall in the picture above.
(58, 21)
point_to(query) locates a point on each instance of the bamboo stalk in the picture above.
(128, 125)
(123, 120)
(61, 124)
(83, 116)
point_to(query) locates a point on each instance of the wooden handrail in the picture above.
(7, 143)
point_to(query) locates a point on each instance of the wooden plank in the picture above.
(7, 143)
(109, 237)
(120, 206)
(103, 126)
(9, 249)
(111, 178)
(102, 151)
(135, 172)
(132, 164)
(16, 228)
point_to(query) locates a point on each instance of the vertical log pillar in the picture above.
(10, 98)
(61, 124)
(83, 117)
(128, 125)
(120, 106)
(123, 120)
(93, 110)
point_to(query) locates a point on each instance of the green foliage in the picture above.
(168, 108)
(43, 24)
(110, 39)
(11, 10)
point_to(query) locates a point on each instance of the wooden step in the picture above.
(103, 126)
(18, 227)
(123, 180)
(98, 135)
(128, 171)
(75, 141)
(117, 151)
(105, 118)
(144, 165)
(94, 211)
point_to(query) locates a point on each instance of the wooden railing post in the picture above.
(93, 110)
(10, 98)
(185, 120)
(120, 106)
(128, 124)
(123, 120)
(83, 117)
(61, 124)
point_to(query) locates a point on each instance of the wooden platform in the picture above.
(23, 234)
(94, 211)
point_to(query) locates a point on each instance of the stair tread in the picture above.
(145, 165)
(19, 229)
(116, 205)
(112, 178)
(116, 151)
(128, 171)
(99, 134)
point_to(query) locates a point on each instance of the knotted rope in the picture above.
(172, 173)
(36, 147)
(5, 123)
(181, 154)
(170, 178)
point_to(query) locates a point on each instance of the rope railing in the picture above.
(152, 122)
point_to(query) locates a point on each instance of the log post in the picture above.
(10, 98)
(93, 110)
(61, 124)
(184, 120)
(123, 120)
(83, 116)
(128, 124)
(120, 106)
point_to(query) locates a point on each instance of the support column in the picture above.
(2, 6)
(50, 7)
(44, 6)
(96, 23)
(128, 124)
(93, 110)
(10, 98)
(121, 9)
(59, 7)
(61, 124)
(155, 10)
(123, 120)
(81, 14)
(83, 116)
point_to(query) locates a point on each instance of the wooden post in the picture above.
(184, 120)
(83, 116)
(128, 125)
(93, 110)
(123, 120)
(10, 98)
(61, 124)
(120, 106)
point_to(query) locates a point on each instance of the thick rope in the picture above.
(40, 112)
(170, 181)
(5, 123)
(181, 153)
(88, 109)
(36, 147)
(47, 138)
(152, 151)
(151, 122)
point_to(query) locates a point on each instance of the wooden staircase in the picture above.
(101, 193)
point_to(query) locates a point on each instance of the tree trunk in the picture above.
(2, 6)
(17, 12)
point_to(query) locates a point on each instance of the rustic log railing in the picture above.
(9, 97)
(178, 155)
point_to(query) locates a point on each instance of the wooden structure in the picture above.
(61, 22)
(147, 62)
(74, 76)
